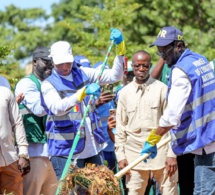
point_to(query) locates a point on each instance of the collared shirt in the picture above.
(139, 109)
(4, 82)
(11, 125)
(180, 88)
(33, 102)
(60, 106)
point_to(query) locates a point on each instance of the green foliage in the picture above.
(22, 29)
(11, 71)
(86, 25)
(20, 34)
(90, 27)
(4, 51)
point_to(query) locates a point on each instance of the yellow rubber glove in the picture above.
(121, 50)
(90, 89)
(81, 94)
(153, 138)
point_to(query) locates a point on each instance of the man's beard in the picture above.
(40, 72)
(174, 59)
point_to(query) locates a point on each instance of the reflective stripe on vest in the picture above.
(198, 123)
(63, 136)
(199, 101)
(104, 118)
(94, 126)
(69, 116)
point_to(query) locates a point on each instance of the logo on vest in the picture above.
(75, 108)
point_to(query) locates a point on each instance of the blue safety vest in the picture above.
(198, 119)
(61, 130)
(104, 113)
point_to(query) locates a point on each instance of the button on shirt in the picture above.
(139, 109)
(11, 125)
(60, 106)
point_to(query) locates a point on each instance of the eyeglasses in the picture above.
(164, 54)
(46, 62)
(144, 66)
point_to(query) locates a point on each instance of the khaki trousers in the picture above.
(11, 179)
(137, 182)
(41, 179)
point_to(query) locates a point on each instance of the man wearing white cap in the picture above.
(65, 97)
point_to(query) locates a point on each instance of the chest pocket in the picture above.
(131, 110)
(133, 118)
(155, 109)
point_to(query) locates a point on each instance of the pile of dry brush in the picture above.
(91, 180)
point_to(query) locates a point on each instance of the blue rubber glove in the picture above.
(93, 89)
(148, 148)
(116, 35)
(118, 38)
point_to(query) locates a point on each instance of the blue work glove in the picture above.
(93, 89)
(148, 148)
(118, 38)
(116, 35)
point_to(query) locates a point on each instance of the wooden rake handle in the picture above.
(140, 159)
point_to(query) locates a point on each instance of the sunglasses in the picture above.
(46, 62)
(164, 54)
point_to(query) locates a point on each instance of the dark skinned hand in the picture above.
(104, 97)
(122, 164)
(111, 122)
(24, 166)
(111, 125)
(171, 166)
(19, 98)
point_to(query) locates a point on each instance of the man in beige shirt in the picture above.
(140, 106)
(12, 165)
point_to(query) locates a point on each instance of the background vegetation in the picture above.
(86, 24)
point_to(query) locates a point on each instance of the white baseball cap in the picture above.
(61, 52)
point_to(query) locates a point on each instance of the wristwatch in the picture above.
(26, 156)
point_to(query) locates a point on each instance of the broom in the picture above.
(99, 180)
(140, 159)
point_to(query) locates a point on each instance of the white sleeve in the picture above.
(54, 102)
(177, 99)
(16, 121)
(31, 94)
(109, 75)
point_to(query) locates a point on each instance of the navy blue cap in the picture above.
(96, 65)
(41, 52)
(82, 61)
(167, 35)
